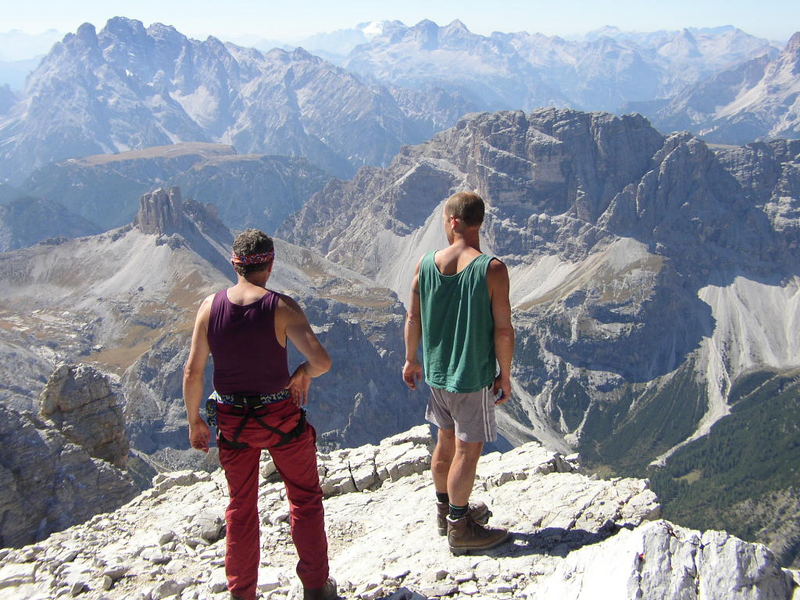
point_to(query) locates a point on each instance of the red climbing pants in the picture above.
(296, 461)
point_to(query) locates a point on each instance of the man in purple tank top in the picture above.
(245, 328)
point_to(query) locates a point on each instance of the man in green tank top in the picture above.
(460, 312)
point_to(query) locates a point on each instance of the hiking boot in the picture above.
(479, 512)
(326, 592)
(464, 535)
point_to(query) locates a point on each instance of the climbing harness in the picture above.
(252, 407)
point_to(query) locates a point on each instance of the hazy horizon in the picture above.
(775, 20)
(18, 44)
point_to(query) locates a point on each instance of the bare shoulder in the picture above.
(288, 306)
(203, 314)
(497, 280)
(287, 302)
(497, 269)
(205, 305)
(208, 300)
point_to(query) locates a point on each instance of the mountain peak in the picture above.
(425, 24)
(457, 25)
(161, 212)
(87, 33)
(125, 26)
(301, 53)
(793, 45)
(160, 31)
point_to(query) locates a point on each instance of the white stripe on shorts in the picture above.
(486, 426)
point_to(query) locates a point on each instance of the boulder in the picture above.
(79, 400)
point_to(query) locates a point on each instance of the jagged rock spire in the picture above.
(161, 212)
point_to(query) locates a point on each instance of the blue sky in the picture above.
(292, 20)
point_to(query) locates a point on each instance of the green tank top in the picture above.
(457, 326)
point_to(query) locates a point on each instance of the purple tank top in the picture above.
(247, 356)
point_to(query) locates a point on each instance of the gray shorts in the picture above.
(471, 415)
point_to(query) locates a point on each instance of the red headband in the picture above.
(252, 259)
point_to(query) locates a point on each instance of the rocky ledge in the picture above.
(573, 537)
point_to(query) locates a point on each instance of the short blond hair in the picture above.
(467, 207)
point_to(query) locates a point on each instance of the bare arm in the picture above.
(412, 333)
(194, 376)
(299, 332)
(497, 278)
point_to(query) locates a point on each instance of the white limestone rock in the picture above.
(572, 537)
(16, 574)
(661, 560)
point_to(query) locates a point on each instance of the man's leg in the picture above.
(442, 458)
(241, 517)
(461, 477)
(473, 415)
(297, 464)
(438, 413)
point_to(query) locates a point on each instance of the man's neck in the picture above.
(243, 283)
(467, 240)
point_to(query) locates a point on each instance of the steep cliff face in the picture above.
(161, 213)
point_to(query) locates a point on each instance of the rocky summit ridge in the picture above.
(574, 537)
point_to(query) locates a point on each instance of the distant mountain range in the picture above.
(525, 71)
(755, 99)
(130, 87)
